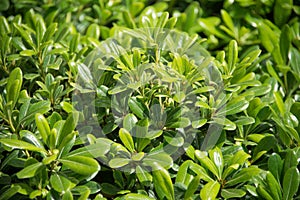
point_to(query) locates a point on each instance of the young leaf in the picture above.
(69, 126)
(210, 190)
(118, 162)
(206, 162)
(217, 157)
(162, 182)
(13, 86)
(126, 139)
(232, 55)
(183, 177)
(42, 126)
(192, 187)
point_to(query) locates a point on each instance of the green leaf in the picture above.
(290, 183)
(66, 106)
(93, 31)
(235, 106)
(94, 150)
(4, 26)
(162, 182)
(28, 53)
(4, 5)
(183, 177)
(109, 189)
(232, 193)
(294, 57)
(10, 192)
(126, 139)
(206, 162)
(268, 37)
(14, 85)
(67, 143)
(192, 187)
(128, 19)
(210, 190)
(244, 175)
(263, 146)
(285, 42)
(232, 55)
(199, 123)
(275, 165)
(134, 196)
(74, 43)
(279, 103)
(239, 157)
(42, 126)
(28, 136)
(50, 159)
(19, 144)
(192, 12)
(282, 11)
(30, 171)
(199, 170)
(52, 28)
(52, 138)
(25, 35)
(67, 196)
(143, 175)
(274, 186)
(69, 126)
(137, 108)
(263, 193)
(60, 183)
(29, 114)
(243, 120)
(161, 158)
(118, 162)
(290, 160)
(81, 164)
(129, 121)
(217, 157)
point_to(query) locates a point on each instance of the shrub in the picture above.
(149, 99)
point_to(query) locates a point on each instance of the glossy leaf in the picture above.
(232, 193)
(210, 190)
(126, 139)
(60, 183)
(162, 182)
(81, 165)
(43, 126)
(19, 144)
(243, 176)
(30, 171)
(290, 183)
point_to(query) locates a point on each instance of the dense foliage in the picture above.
(160, 99)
